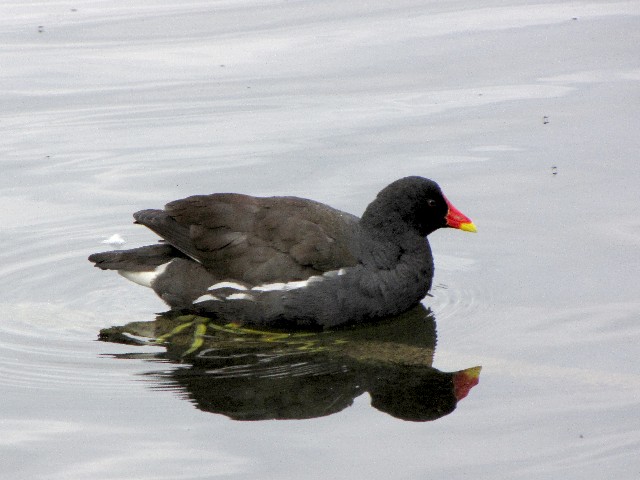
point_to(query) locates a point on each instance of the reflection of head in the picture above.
(414, 393)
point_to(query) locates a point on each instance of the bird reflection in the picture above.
(249, 374)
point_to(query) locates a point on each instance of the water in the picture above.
(526, 114)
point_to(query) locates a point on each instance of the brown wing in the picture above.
(257, 240)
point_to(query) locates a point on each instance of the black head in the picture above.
(413, 203)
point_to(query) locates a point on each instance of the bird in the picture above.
(289, 262)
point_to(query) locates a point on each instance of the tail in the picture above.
(169, 229)
(143, 259)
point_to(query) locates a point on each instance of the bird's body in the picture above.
(291, 262)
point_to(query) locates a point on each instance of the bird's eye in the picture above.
(431, 202)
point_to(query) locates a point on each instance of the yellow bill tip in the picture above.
(468, 227)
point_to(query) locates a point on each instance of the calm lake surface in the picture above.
(526, 114)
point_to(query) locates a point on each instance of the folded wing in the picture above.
(257, 240)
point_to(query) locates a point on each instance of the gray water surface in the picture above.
(525, 113)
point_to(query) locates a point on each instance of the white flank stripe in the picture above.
(233, 285)
(299, 284)
(335, 273)
(145, 279)
(239, 296)
(205, 297)
(270, 287)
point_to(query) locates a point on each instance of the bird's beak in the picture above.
(456, 219)
(465, 380)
